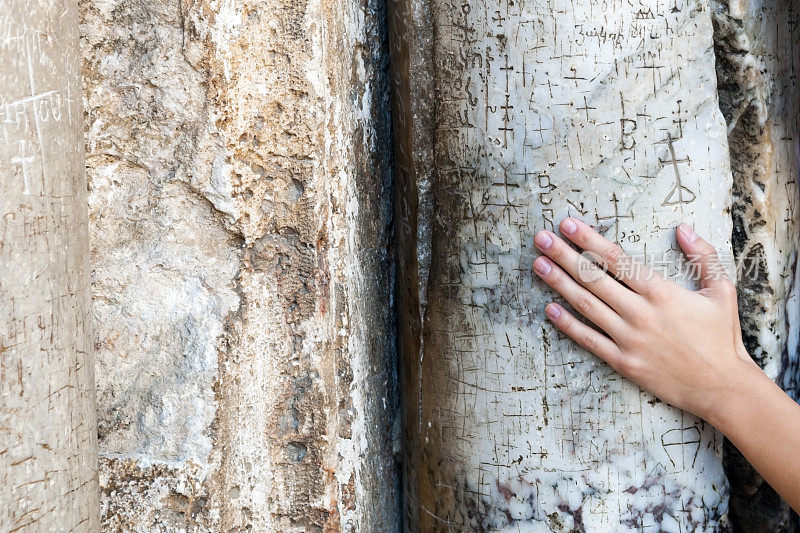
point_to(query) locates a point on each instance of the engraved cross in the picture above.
(615, 217)
(23, 161)
(586, 108)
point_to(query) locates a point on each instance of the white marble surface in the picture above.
(608, 112)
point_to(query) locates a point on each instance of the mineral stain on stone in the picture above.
(756, 58)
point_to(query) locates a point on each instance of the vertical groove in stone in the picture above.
(372, 284)
(48, 437)
(410, 30)
(758, 57)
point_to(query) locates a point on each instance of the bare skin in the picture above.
(683, 346)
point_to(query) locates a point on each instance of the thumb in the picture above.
(703, 256)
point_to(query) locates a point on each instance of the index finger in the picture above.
(638, 276)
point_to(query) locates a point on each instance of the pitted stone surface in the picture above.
(239, 199)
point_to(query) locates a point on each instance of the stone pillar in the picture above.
(509, 116)
(48, 435)
(238, 156)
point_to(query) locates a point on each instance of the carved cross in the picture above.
(23, 161)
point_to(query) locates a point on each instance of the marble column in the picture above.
(509, 116)
(48, 433)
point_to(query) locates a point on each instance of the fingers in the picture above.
(581, 299)
(589, 338)
(636, 275)
(704, 255)
(585, 271)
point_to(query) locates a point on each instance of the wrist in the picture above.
(740, 385)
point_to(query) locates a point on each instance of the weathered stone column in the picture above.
(239, 176)
(509, 116)
(48, 437)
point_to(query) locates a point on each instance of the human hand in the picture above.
(683, 346)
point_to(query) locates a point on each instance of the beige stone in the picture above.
(239, 198)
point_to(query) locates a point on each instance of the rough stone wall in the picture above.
(521, 113)
(238, 159)
(758, 58)
(48, 437)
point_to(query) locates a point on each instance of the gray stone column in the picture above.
(48, 435)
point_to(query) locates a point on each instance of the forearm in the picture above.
(763, 422)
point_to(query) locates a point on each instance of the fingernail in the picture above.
(543, 240)
(552, 311)
(688, 232)
(568, 226)
(542, 266)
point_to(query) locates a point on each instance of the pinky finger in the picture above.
(588, 337)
